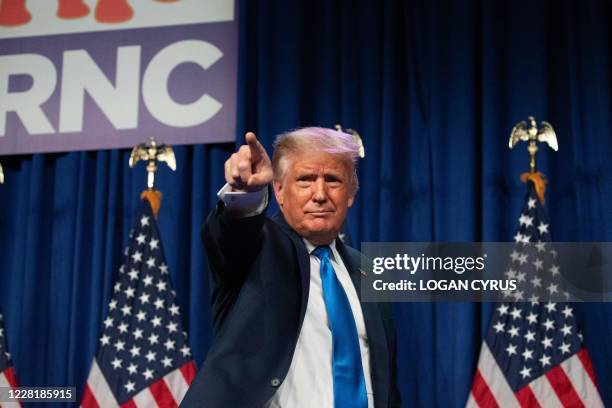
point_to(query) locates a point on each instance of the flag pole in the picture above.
(152, 153)
(143, 357)
(513, 369)
(1, 175)
(533, 135)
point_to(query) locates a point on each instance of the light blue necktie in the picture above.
(349, 382)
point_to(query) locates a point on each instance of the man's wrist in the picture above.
(244, 204)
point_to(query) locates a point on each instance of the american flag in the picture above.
(7, 371)
(143, 359)
(533, 354)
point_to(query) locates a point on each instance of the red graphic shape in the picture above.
(72, 9)
(113, 11)
(14, 13)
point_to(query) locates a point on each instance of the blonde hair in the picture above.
(316, 138)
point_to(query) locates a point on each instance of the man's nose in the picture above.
(319, 193)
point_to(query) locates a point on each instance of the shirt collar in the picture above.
(311, 247)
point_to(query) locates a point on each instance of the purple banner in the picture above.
(102, 74)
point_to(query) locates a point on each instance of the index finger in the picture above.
(257, 150)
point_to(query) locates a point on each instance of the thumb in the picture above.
(260, 179)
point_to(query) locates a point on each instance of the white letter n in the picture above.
(119, 103)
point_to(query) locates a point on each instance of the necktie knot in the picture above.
(321, 252)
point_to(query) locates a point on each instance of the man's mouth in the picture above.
(321, 213)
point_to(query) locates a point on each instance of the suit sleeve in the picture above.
(232, 244)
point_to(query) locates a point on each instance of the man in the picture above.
(289, 328)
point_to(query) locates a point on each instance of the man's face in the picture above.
(315, 195)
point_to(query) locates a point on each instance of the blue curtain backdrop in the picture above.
(433, 87)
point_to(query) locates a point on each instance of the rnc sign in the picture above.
(100, 74)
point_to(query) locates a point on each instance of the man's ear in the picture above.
(278, 187)
(350, 201)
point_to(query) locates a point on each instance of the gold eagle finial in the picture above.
(152, 153)
(546, 134)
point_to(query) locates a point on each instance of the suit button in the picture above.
(275, 382)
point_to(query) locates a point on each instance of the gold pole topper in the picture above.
(533, 135)
(356, 138)
(1, 175)
(152, 153)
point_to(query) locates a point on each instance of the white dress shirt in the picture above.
(309, 382)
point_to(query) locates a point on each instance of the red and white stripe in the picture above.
(167, 392)
(8, 379)
(572, 383)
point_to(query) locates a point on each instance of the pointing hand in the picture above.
(250, 168)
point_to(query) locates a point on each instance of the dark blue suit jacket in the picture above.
(261, 277)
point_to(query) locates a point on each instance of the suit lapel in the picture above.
(303, 261)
